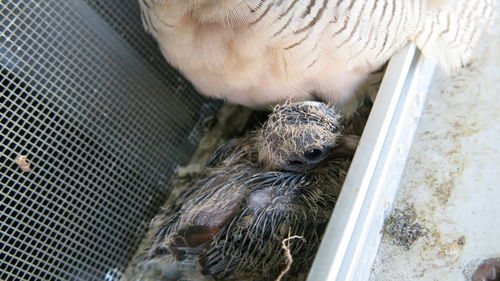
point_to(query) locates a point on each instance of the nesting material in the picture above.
(289, 259)
(231, 122)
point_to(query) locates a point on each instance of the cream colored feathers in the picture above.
(263, 52)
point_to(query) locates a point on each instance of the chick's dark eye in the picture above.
(313, 154)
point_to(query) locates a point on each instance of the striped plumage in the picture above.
(262, 52)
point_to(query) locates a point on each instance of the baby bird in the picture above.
(264, 52)
(280, 181)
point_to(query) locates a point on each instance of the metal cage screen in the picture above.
(103, 121)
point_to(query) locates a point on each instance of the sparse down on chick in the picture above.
(264, 52)
(280, 181)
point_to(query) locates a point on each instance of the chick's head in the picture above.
(298, 136)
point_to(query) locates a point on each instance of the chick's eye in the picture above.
(313, 154)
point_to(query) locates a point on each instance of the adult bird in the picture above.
(264, 52)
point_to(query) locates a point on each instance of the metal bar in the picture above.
(352, 237)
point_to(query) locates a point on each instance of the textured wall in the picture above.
(451, 178)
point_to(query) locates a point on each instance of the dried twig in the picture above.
(288, 255)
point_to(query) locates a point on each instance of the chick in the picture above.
(280, 181)
(259, 53)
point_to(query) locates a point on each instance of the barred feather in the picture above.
(263, 52)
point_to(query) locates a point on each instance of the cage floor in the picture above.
(451, 178)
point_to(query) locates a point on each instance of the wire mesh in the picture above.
(92, 124)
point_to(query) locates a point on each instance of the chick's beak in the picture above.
(346, 146)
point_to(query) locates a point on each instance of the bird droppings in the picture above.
(402, 227)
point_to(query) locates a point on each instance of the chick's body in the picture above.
(261, 52)
(279, 182)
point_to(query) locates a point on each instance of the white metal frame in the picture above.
(353, 235)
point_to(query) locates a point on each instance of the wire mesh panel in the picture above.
(92, 125)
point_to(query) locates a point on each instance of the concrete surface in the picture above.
(452, 177)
